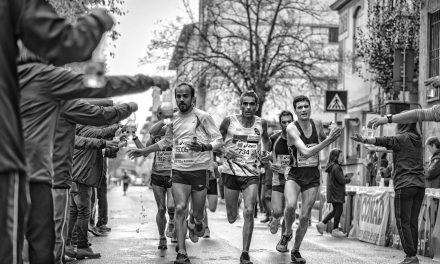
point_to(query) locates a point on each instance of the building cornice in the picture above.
(339, 4)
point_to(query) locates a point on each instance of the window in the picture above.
(333, 34)
(356, 61)
(432, 94)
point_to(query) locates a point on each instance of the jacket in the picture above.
(37, 24)
(336, 183)
(43, 87)
(407, 159)
(76, 112)
(87, 155)
(432, 172)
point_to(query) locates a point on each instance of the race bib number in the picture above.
(183, 155)
(248, 150)
(283, 161)
(312, 161)
(163, 160)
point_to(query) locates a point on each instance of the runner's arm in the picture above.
(214, 132)
(224, 127)
(293, 138)
(265, 136)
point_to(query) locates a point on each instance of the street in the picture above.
(134, 239)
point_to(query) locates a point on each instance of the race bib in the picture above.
(302, 161)
(183, 155)
(163, 160)
(283, 161)
(247, 149)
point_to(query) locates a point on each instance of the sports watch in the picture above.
(390, 118)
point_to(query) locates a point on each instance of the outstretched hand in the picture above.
(358, 138)
(335, 133)
(135, 153)
(377, 121)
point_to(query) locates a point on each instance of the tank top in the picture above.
(162, 159)
(282, 155)
(298, 159)
(248, 144)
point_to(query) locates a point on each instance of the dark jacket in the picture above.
(43, 87)
(432, 172)
(37, 24)
(76, 112)
(336, 183)
(87, 156)
(407, 159)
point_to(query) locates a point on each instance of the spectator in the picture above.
(432, 172)
(371, 168)
(125, 180)
(37, 24)
(409, 185)
(336, 182)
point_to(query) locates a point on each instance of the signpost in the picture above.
(336, 101)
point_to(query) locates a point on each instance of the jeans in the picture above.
(336, 213)
(40, 231)
(102, 203)
(14, 204)
(407, 205)
(79, 214)
(61, 199)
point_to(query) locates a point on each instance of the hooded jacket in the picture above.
(37, 24)
(407, 147)
(335, 183)
(432, 172)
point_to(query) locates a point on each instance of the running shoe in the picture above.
(200, 229)
(274, 225)
(265, 220)
(245, 259)
(338, 234)
(192, 234)
(410, 260)
(207, 233)
(104, 228)
(320, 227)
(162, 243)
(296, 257)
(282, 244)
(170, 229)
(182, 259)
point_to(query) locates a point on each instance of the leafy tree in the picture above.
(243, 45)
(391, 25)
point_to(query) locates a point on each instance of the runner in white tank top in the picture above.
(243, 135)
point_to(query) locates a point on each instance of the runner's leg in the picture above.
(250, 195)
(231, 201)
(291, 192)
(159, 196)
(181, 194)
(308, 198)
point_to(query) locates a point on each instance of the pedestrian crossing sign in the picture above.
(335, 101)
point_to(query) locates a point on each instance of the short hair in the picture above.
(285, 113)
(191, 87)
(433, 141)
(300, 98)
(250, 94)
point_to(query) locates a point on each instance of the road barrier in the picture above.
(369, 216)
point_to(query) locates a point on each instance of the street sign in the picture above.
(335, 101)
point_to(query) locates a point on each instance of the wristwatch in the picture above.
(390, 118)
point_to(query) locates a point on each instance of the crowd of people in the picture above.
(55, 143)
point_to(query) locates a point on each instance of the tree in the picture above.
(391, 25)
(248, 45)
(72, 9)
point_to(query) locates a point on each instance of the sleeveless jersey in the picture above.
(162, 159)
(302, 167)
(281, 151)
(247, 141)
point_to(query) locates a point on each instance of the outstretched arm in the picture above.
(293, 138)
(412, 116)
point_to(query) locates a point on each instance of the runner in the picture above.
(211, 194)
(280, 161)
(305, 138)
(193, 135)
(161, 176)
(243, 135)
